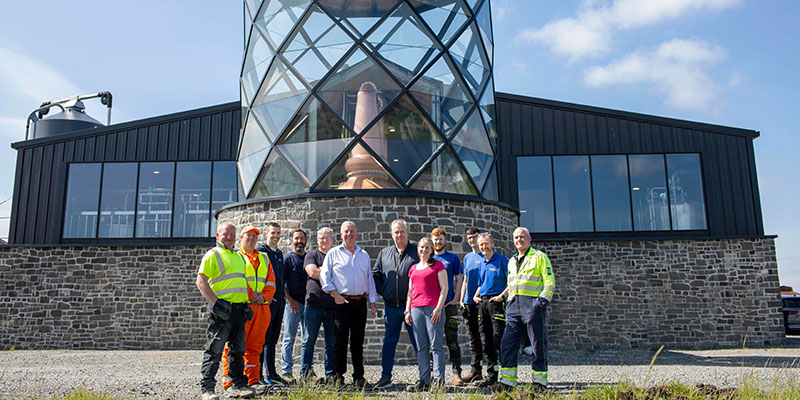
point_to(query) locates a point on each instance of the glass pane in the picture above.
(249, 168)
(256, 62)
(403, 138)
(490, 190)
(83, 193)
(488, 112)
(278, 99)
(154, 213)
(192, 199)
(278, 17)
(471, 59)
(612, 210)
(445, 17)
(535, 190)
(484, 20)
(118, 200)
(473, 3)
(686, 192)
(316, 46)
(357, 169)
(254, 139)
(277, 177)
(404, 43)
(472, 146)
(252, 7)
(442, 95)
(314, 139)
(648, 192)
(359, 90)
(358, 15)
(224, 191)
(573, 194)
(445, 175)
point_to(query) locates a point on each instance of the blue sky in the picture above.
(728, 62)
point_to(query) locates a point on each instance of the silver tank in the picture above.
(72, 118)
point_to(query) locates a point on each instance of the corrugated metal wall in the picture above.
(207, 134)
(530, 126)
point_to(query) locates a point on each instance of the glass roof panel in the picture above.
(277, 18)
(403, 138)
(442, 95)
(313, 139)
(254, 139)
(249, 167)
(316, 46)
(490, 190)
(473, 147)
(280, 96)
(359, 90)
(484, 20)
(488, 112)
(445, 175)
(256, 63)
(403, 41)
(358, 15)
(277, 178)
(473, 3)
(444, 17)
(357, 169)
(252, 7)
(471, 59)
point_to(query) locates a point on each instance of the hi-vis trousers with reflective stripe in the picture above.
(255, 331)
(522, 318)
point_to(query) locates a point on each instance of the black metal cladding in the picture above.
(37, 213)
(530, 126)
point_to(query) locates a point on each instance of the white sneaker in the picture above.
(528, 351)
(210, 396)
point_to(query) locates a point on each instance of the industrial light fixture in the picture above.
(636, 188)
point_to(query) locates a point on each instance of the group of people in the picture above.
(424, 287)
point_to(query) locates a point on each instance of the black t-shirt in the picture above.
(296, 276)
(315, 296)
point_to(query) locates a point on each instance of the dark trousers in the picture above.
(523, 319)
(350, 323)
(451, 336)
(492, 322)
(273, 335)
(218, 333)
(393, 322)
(470, 313)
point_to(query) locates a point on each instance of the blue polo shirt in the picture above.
(494, 275)
(295, 276)
(453, 267)
(472, 275)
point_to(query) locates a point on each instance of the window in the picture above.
(154, 213)
(192, 199)
(611, 193)
(83, 194)
(535, 178)
(117, 200)
(573, 194)
(224, 189)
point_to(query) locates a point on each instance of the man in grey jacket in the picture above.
(391, 281)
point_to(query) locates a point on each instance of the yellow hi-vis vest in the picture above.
(225, 270)
(257, 280)
(534, 277)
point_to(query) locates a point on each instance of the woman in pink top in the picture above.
(427, 290)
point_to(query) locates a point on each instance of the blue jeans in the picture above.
(290, 323)
(315, 317)
(430, 337)
(393, 320)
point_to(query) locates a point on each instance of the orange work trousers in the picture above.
(255, 332)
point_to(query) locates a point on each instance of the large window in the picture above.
(611, 193)
(147, 200)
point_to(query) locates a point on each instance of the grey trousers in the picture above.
(430, 339)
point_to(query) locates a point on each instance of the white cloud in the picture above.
(12, 128)
(591, 32)
(500, 9)
(519, 66)
(24, 77)
(677, 70)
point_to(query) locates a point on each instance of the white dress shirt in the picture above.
(348, 273)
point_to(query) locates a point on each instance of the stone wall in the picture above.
(679, 293)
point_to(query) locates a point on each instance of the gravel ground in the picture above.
(176, 374)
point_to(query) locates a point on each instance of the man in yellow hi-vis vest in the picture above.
(530, 290)
(221, 280)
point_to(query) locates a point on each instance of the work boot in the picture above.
(487, 382)
(260, 388)
(289, 378)
(472, 377)
(457, 380)
(209, 395)
(241, 392)
(420, 386)
(384, 383)
(500, 387)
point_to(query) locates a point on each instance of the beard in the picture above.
(438, 248)
(299, 247)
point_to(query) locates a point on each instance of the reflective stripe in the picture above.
(227, 379)
(271, 284)
(251, 366)
(528, 278)
(540, 377)
(500, 318)
(231, 290)
(452, 320)
(226, 277)
(220, 263)
(261, 279)
(508, 376)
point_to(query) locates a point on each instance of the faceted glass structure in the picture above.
(368, 95)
